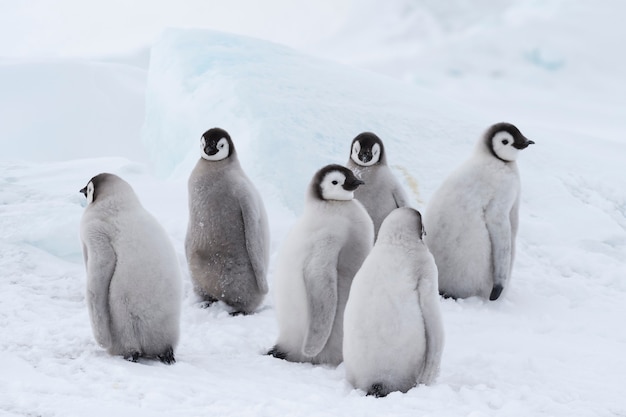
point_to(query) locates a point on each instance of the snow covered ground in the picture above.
(427, 76)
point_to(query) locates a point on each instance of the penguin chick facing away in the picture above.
(383, 193)
(393, 332)
(227, 242)
(315, 267)
(473, 217)
(134, 286)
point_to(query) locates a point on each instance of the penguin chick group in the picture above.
(357, 278)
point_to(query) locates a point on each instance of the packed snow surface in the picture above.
(428, 77)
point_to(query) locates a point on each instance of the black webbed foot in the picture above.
(446, 295)
(495, 292)
(208, 302)
(167, 357)
(377, 390)
(133, 357)
(277, 353)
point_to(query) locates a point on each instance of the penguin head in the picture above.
(335, 182)
(367, 149)
(504, 140)
(105, 184)
(89, 191)
(216, 144)
(404, 223)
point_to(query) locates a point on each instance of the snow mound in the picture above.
(289, 114)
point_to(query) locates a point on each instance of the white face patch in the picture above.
(375, 154)
(90, 190)
(356, 148)
(502, 144)
(332, 187)
(223, 150)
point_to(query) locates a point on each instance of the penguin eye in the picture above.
(505, 142)
(335, 182)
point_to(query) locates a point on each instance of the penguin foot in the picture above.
(377, 390)
(167, 357)
(275, 352)
(495, 292)
(208, 302)
(238, 313)
(133, 357)
(446, 295)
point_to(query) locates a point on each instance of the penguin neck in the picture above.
(485, 154)
(120, 202)
(315, 203)
(358, 167)
(400, 236)
(231, 160)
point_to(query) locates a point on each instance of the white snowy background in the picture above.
(129, 87)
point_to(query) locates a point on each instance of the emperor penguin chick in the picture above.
(315, 267)
(227, 242)
(473, 217)
(134, 286)
(383, 193)
(393, 332)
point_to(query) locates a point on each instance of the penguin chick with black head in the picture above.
(227, 241)
(315, 268)
(134, 286)
(473, 217)
(383, 193)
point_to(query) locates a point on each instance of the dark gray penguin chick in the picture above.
(473, 217)
(315, 268)
(227, 242)
(383, 192)
(134, 286)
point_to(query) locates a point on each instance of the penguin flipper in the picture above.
(428, 298)
(399, 196)
(320, 281)
(257, 240)
(500, 235)
(101, 261)
(495, 292)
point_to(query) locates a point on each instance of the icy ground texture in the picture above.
(554, 346)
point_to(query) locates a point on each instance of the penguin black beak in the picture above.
(523, 144)
(365, 156)
(352, 185)
(84, 191)
(210, 150)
